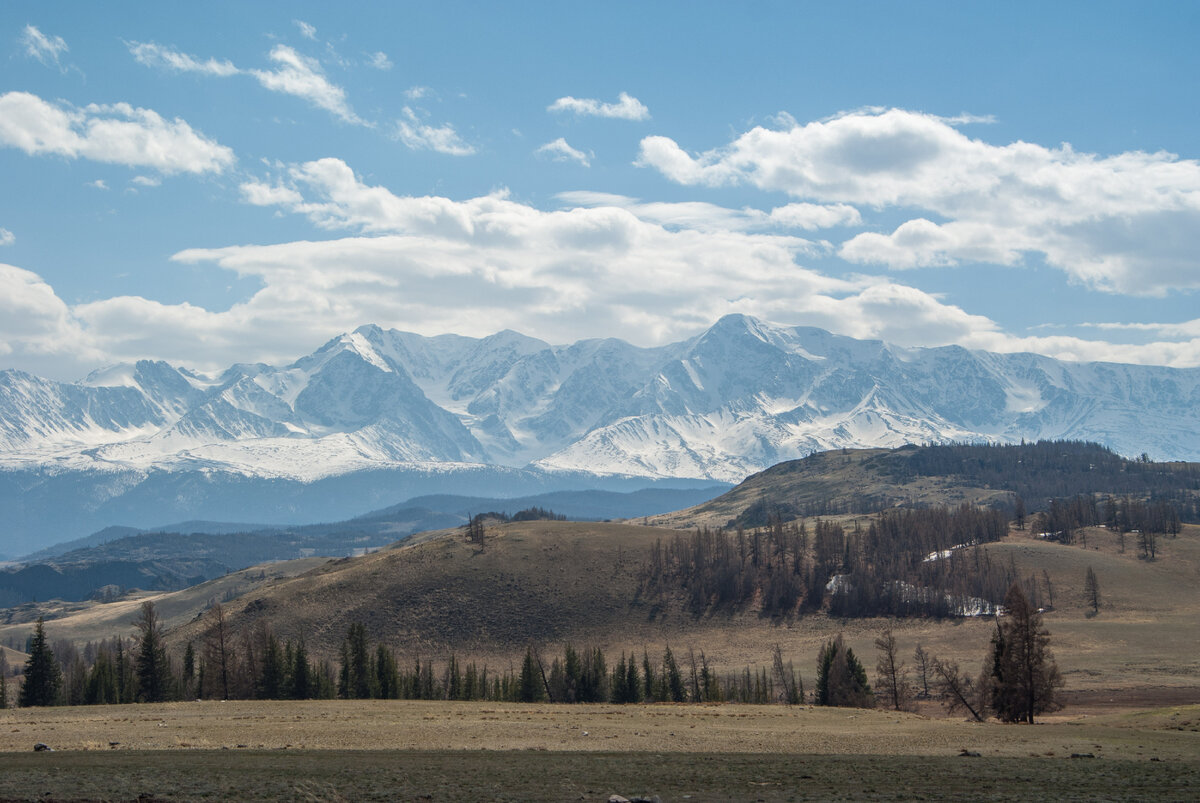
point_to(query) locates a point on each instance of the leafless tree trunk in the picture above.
(892, 685)
(957, 687)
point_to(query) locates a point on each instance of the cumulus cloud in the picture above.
(709, 217)
(303, 77)
(379, 60)
(46, 49)
(38, 331)
(150, 54)
(7, 237)
(431, 264)
(1128, 223)
(118, 134)
(560, 151)
(306, 30)
(627, 107)
(418, 136)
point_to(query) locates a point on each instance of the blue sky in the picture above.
(240, 182)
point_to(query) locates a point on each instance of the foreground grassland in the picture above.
(385, 750)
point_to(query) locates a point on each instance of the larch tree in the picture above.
(893, 688)
(1023, 679)
(1091, 591)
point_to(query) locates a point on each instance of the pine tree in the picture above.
(301, 680)
(270, 685)
(841, 679)
(153, 670)
(672, 679)
(43, 676)
(189, 670)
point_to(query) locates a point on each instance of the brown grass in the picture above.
(553, 582)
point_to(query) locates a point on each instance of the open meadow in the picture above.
(400, 750)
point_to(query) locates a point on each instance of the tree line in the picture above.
(1038, 473)
(1019, 678)
(905, 562)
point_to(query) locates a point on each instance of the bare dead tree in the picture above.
(957, 687)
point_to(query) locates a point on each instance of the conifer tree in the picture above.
(1091, 591)
(43, 676)
(672, 679)
(841, 679)
(153, 670)
(3, 679)
(301, 680)
(1023, 679)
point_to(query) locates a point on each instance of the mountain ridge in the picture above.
(731, 401)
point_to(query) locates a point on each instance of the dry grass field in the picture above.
(555, 582)
(1130, 731)
(342, 750)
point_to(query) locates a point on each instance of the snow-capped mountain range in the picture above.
(738, 398)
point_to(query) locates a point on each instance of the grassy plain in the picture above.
(342, 750)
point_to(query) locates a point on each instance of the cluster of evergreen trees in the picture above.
(905, 562)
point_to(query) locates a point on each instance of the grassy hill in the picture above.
(550, 582)
(547, 583)
(869, 480)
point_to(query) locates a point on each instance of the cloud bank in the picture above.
(1128, 223)
(654, 273)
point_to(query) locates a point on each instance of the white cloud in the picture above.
(295, 74)
(7, 237)
(420, 136)
(146, 181)
(118, 133)
(627, 107)
(379, 60)
(46, 49)
(306, 30)
(1128, 223)
(436, 265)
(560, 151)
(38, 332)
(417, 92)
(303, 77)
(710, 217)
(154, 55)
(98, 184)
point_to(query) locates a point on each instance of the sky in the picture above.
(239, 182)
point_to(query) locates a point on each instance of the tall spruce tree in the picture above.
(153, 669)
(43, 676)
(841, 679)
